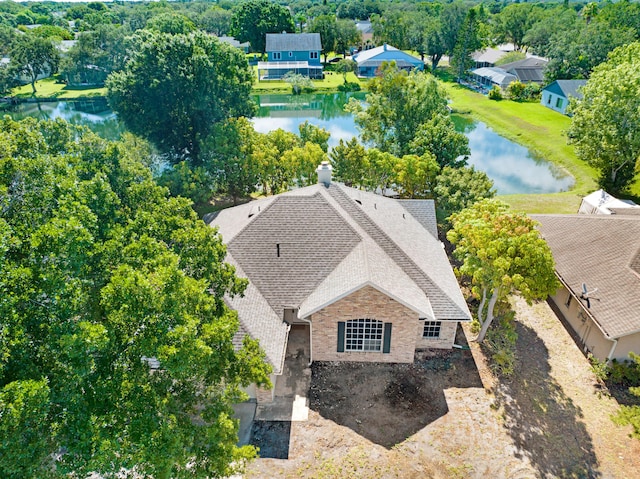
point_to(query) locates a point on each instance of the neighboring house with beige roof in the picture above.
(601, 252)
(366, 274)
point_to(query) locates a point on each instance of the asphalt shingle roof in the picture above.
(566, 88)
(293, 42)
(332, 241)
(602, 251)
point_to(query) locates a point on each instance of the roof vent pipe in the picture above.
(324, 173)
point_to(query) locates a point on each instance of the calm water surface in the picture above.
(512, 167)
(94, 114)
(324, 110)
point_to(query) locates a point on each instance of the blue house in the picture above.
(556, 95)
(291, 52)
(369, 61)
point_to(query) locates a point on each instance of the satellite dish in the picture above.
(585, 294)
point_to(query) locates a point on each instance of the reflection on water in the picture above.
(92, 113)
(511, 167)
(290, 111)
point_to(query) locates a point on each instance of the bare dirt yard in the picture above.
(448, 416)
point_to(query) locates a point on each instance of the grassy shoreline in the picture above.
(539, 129)
(530, 124)
(52, 89)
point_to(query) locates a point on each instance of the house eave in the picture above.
(420, 312)
(585, 310)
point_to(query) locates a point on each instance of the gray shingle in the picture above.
(291, 246)
(332, 241)
(425, 212)
(293, 42)
(601, 251)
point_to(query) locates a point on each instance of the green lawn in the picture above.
(331, 82)
(50, 88)
(542, 131)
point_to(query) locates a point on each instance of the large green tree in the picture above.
(576, 52)
(33, 56)
(397, 104)
(605, 128)
(457, 188)
(215, 20)
(439, 137)
(175, 88)
(231, 157)
(327, 27)
(513, 22)
(501, 253)
(252, 20)
(469, 40)
(95, 55)
(170, 22)
(116, 345)
(347, 36)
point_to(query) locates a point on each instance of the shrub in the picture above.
(599, 368)
(495, 93)
(500, 343)
(516, 91)
(532, 91)
(349, 86)
(299, 83)
(630, 415)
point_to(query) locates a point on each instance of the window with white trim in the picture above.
(558, 102)
(432, 329)
(363, 335)
(277, 55)
(313, 55)
(567, 303)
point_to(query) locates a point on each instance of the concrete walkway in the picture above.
(291, 401)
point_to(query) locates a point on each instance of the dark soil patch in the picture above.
(387, 403)
(271, 438)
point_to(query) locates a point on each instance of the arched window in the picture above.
(363, 335)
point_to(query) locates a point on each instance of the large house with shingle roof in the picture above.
(365, 274)
(291, 52)
(601, 252)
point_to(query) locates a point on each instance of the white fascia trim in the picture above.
(428, 314)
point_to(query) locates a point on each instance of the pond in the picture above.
(93, 113)
(512, 167)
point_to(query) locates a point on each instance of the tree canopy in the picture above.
(33, 56)
(501, 253)
(605, 128)
(397, 104)
(115, 343)
(175, 88)
(251, 21)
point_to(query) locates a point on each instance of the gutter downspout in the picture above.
(613, 348)
(310, 339)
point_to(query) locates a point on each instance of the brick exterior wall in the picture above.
(445, 341)
(369, 303)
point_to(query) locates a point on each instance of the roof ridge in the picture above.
(393, 250)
